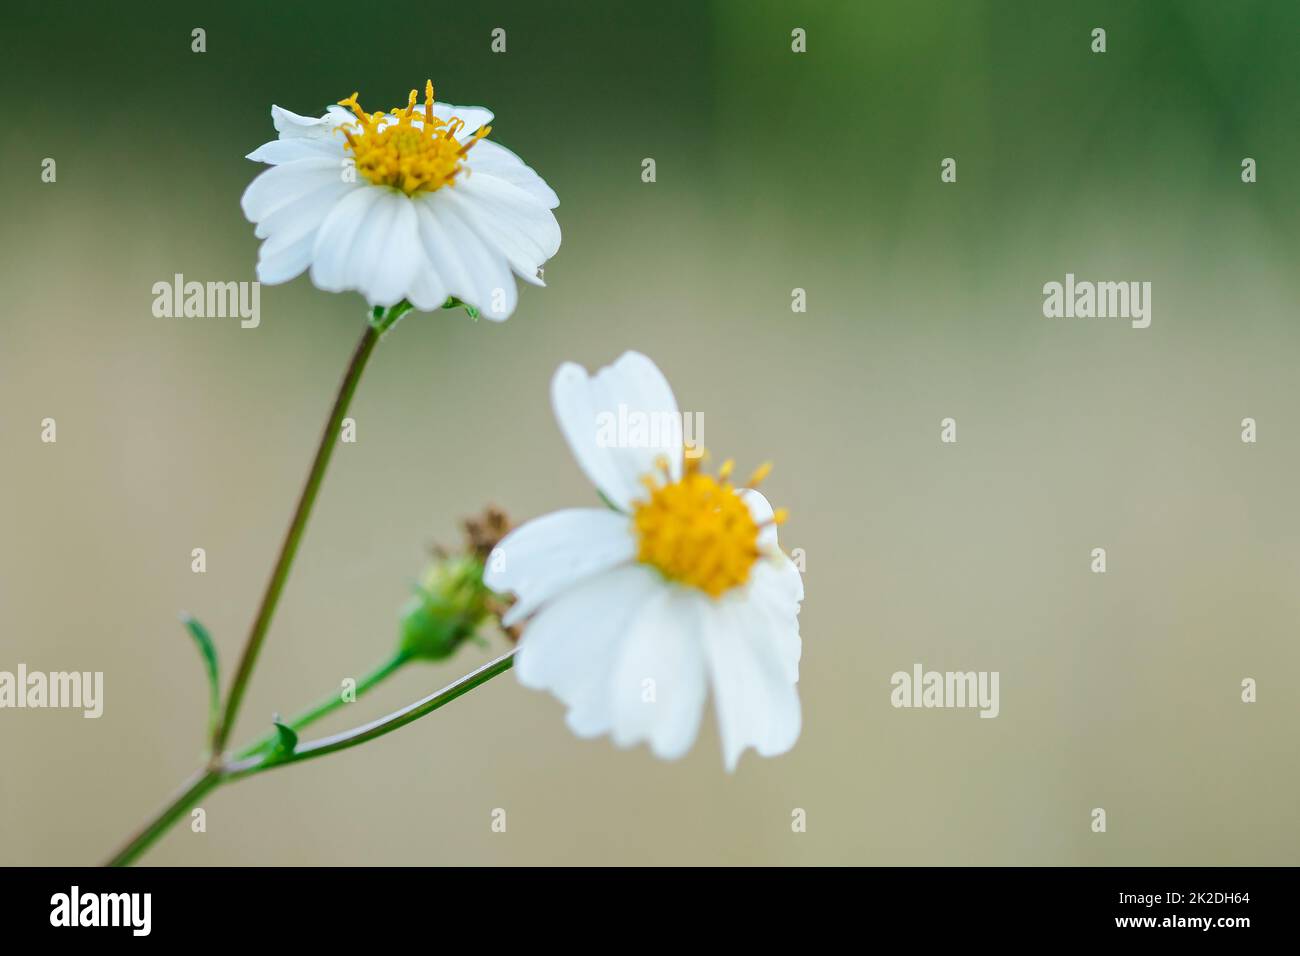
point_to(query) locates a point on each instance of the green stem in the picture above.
(376, 728)
(292, 538)
(327, 705)
(216, 773)
(190, 793)
(208, 779)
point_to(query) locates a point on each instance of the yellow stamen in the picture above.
(404, 149)
(352, 104)
(761, 472)
(698, 531)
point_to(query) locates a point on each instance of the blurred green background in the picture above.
(775, 170)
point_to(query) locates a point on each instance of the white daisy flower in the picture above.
(638, 609)
(413, 204)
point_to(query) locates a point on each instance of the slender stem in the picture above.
(329, 438)
(208, 779)
(376, 728)
(190, 793)
(330, 703)
(216, 773)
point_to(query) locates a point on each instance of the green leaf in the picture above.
(285, 740)
(209, 652)
(455, 303)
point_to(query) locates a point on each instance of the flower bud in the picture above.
(451, 605)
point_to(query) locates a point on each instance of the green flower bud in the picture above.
(451, 605)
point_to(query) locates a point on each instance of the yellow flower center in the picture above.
(411, 150)
(699, 531)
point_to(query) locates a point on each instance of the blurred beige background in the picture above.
(775, 171)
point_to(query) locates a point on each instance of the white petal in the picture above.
(336, 116)
(332, 252)
(283, 264)
(291, 221)
(659, 683)
(281, 185)
(292, 126)
(775, 584)
(491, 157)
(760, 509)
(470, 270)
(509, 220)
(473, 117)
(428, 291)
(279, 151)
(550, 554)
(612, 453)
(387, 251)
(573, 645)
(757, 702)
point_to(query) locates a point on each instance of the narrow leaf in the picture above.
(208, 650)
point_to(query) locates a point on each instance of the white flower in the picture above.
(637, 610)
(413, 204)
